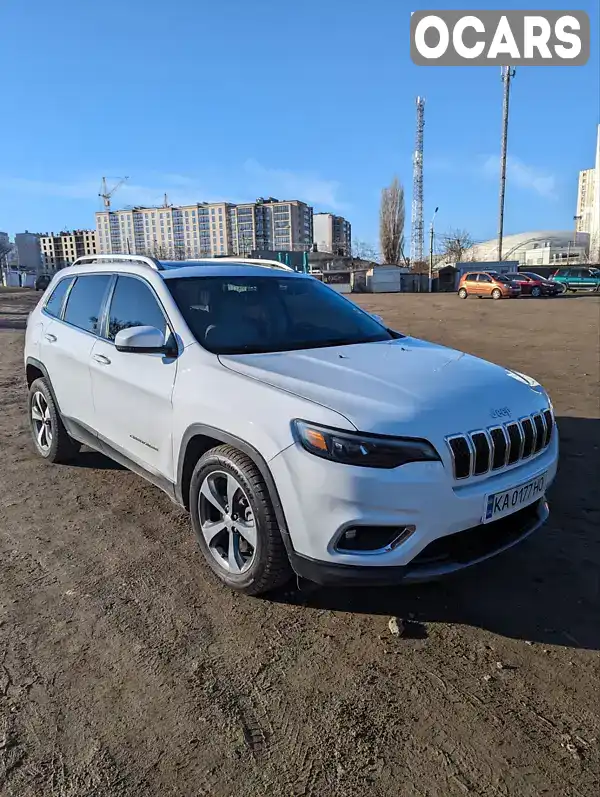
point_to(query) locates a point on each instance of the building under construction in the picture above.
(61, 249)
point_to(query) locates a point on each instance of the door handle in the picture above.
(50, 338)
(100, 358)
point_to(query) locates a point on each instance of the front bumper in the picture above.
(440, 558)
(319, 498)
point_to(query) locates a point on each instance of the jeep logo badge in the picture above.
(501, 412)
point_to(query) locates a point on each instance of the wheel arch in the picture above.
(200, 438)
(34, 369)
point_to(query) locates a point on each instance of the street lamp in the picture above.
(431, 250)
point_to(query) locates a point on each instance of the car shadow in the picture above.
(13, 323)
(95, 460)
(578, 295)
(545, 590)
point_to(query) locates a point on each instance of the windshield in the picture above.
(245, 315)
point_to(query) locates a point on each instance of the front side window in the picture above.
(55, 302)
(243, 315)
(85, 302)
(133, 305)
(484, 278)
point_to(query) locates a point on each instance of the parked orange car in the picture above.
(487, 283)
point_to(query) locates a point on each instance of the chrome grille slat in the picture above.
(474, 453)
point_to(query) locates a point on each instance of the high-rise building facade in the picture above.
(62, 249)
(332, 234)
(588, 204)
(585, 200)
(29, 251)
(206, 229)
(271, 224)
(171, 232)
(595, 223)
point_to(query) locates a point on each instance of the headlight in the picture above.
(368, 451)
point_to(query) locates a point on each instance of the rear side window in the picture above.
(85, 302)
(55, 302)
(471, 278)
(134, 305)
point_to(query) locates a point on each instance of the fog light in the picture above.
(373, 539)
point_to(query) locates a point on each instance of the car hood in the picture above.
(398, 387)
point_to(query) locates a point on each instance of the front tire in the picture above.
(496, 294)
(49, 435)
(235, 523)
(462, 293)
(536, 292)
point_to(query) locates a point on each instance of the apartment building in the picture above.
(585, 200)
(588, 204)
(206, 229)
(332, 234)
(28, 249)
(199, 230)
(61, 249)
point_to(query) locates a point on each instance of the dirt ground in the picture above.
(126, 669)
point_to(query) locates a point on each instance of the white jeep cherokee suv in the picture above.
(300, 433)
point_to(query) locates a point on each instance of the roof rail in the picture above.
(152, 262)
(251, 261)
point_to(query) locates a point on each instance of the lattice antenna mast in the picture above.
(417, 230)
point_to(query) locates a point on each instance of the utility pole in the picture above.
(431, 250)
(507, 73)
(416, 234)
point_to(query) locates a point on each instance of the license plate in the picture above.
(499, 505)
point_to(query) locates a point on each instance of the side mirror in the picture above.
(142, 340)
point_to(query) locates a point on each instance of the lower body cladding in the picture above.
(367, 526)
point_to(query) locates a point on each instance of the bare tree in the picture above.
(454, 245)
(361, 250)
(391, 223)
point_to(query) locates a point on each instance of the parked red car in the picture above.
(534, 285)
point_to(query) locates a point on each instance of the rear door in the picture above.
(66, 344)
(575, 277)
(132, 391)
(470, 283)
(484, 284)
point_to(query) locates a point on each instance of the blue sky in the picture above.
(311, 100)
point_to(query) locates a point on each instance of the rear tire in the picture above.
(235, 523)
(50, 437)
(462, 293)
(496, 294)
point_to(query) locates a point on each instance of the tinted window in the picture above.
(471, 278)
(85, 302)
(133, 305)
(484, 278)
(230, 315)
(54, 303)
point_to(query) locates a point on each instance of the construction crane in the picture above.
(106, 194)
(416, 237)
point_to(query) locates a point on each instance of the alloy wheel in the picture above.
(42, 421)
(227, 522)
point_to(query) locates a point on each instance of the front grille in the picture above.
(483, 450)
(528, 437)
